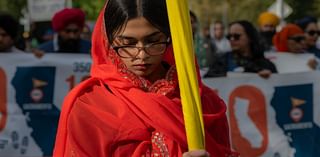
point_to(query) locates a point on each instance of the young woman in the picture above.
(131, 105)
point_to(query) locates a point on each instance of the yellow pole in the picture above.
(181, 34)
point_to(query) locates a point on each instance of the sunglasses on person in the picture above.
(312, 33)
(234, 36)
(297, 39)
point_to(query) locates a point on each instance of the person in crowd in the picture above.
(219, 40)
(267, 22)
(68, 24)
(131, 104)
(318, 43)
(9, 28)
(292, 39)
(86, 33)
(203, 49)
(309, 26)
(246, 55)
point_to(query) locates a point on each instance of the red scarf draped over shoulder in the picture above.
(117, 113)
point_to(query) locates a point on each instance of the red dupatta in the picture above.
(157, 105)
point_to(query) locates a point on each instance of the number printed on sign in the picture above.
(81, 67)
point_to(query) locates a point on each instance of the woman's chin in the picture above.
(142, 73)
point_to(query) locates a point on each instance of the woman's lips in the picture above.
(141, 66)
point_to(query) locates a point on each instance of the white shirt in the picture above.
(222, 45)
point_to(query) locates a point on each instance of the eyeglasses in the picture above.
(297, 39)
(233, 36)
(312, 33)
(152, 49)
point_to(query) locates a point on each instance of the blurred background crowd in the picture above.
(228, 35)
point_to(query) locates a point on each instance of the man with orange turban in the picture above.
(68, 25)
(267, 26)
(290, 39)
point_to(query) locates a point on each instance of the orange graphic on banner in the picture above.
(257, 113)
(3, 100)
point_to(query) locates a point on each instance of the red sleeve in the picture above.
(216, 124)
(88, 134)
(99, 124)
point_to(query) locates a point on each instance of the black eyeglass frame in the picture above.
(313, 32)
(116, 48)
(234, 36)
(297, 39)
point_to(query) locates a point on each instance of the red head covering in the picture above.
(68, 16)
(281, 38)
(155, 106)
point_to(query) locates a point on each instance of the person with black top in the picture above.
(246, 55)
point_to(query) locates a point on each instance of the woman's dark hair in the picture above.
(304, 22)
(119, 12)
(193, 15)
(254, 38)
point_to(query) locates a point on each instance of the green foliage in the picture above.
(231, 10)
(207, 10)
(91, 8)
(13, 7)
(303, 8)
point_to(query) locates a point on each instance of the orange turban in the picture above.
(68, 16)
(268, 18)
(280, 39)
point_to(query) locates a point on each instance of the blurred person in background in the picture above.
(68, 25)
(219, 40)
(9, 28)
(309, 26)
(86, 33)
(246, 55)
(203, 49)
(267, 28)
(292, 39)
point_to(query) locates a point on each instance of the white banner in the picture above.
(287, 62)
(43, 10)
(32, 91)
(275, 117)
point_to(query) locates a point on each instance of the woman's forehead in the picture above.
(236, 27)
(138, 28)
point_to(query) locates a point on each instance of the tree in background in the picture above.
(303, 8)
(91, 8)
(231, 10)
(206, 10)
(13, 7)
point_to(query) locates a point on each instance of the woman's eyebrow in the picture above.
(125, 37)
(147, 36)
(152, 34)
